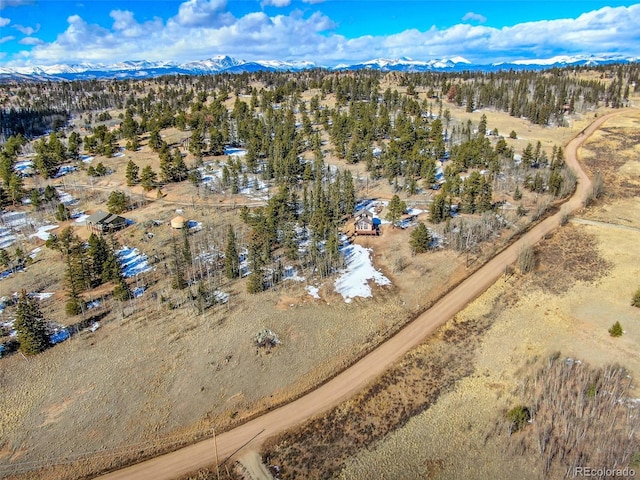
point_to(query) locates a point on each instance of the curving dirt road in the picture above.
(357, 376)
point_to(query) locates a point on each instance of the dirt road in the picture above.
(354, 378)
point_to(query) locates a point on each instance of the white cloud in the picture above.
(275, 3)
(27, 30)
(476, 17)
(15, 3)
(6, 39)
(4, 22)
(203, 13)
(204, 28)
(30, 41)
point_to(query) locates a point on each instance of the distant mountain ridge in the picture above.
(226, 64)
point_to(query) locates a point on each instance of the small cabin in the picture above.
(364, 224)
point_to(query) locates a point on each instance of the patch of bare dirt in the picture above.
(569, 255)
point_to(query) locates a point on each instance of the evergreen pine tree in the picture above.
(517, 195)
(148, 178)
(122, 291)
(5, 259)
(132, 173)
(395, 210)
(186, 246)
(99, 253)
(439, 209)
(35, 198)
(420, 240)
(290, 241)
(155, 141)
(349, 192)
(178, 280)
(255, 283)
(180, 170)
(74, 304)
(30, 326)
(196, 143)
(231, 261)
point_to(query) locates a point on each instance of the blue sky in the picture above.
(329, 32)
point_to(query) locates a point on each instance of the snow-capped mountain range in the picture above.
(226, 64)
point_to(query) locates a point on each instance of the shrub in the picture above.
(518, 416)
(522, 212)
(598, 186)
(526, 259)
(616, 330)
(517, 195)
(73, 307)
(513, 134)
(122, 292)
(635, 301)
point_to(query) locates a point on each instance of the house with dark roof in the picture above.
(105, 222)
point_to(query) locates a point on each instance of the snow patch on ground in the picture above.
(7, 273)
(133, 262)
(354, 279)
(291, 274)
(41, 295)
(65, 169)
(14, 219)
(7, 238)
(59, 336)
(22, 166)
(138, 291)
(92, 304)
(43, 232)
(237, 152)
(82, 218)
(65, 197)
(313, 291)
(414, 211)
(220, 296)
(12, 224)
